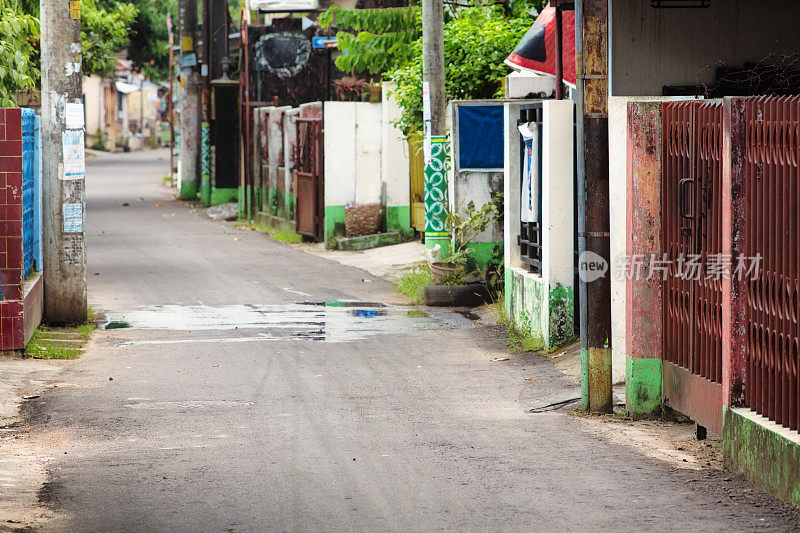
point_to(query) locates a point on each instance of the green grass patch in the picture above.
(413, 283)
(520, 341)
(520, 337)
(286, 236)
(282, 235)
(41, 345)
(40, 348)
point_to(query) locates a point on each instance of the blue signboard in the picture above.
(321, 42)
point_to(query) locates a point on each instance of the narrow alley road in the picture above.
(231, 398)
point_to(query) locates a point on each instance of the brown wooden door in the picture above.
(309, 165)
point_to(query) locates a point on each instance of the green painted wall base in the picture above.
(484, 252)
(334, 224)
(189, 190)
(547, 313)
(643, 381)
(366, 242)
(278, 223)
(289, 205)
(765, 453)
(223, 196)
(398, 218)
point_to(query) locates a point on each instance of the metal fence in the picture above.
(530, 234)
(31, 194)
(772, 139)
(692, 236)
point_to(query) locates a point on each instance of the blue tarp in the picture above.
(480, 137)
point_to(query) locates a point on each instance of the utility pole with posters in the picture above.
(190, 101)
(433, 103)
(63, 163)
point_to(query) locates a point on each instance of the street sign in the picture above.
(323, 42)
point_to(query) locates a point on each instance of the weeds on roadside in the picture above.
(282, 235)
(412, 284)
(520, 338)
(286, 236)
(41, 347)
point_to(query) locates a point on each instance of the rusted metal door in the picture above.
(772, 235)
(309, 170)
(692, 260)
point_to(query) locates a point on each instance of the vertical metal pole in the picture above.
(170, 109)
(64, 252)
(190, 101)
(591, 54)
(141, 110)
(559, 54)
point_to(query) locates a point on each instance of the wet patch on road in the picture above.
(333, 321)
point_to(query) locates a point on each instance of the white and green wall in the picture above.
(543, 304)
(366, 162)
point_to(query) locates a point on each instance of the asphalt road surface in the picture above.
(250, 386)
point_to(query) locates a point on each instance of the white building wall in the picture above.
(369, 188)
(394, 153)
(558, 186)
(340, 152)
(352, 144)
(93, 104)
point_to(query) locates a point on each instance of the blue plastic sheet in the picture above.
(480, 137)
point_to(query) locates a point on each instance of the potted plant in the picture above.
(349, 88)
(455, 268)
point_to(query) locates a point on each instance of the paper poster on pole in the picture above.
(73, 217)
(73, 113)
(74, 159)
(426, 118)
(426, 101)
(426, 143)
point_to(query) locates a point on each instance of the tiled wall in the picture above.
(11, 325)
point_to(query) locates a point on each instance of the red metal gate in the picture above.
(309, 169)
(692, 246)
(772, 228)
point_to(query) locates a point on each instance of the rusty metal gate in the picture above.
(309, 169)
(772, 227)
(692, 248)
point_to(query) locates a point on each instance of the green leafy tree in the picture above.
(105, 30)
(19, 35)
(149, 42)
(476, 42)
(374, 40)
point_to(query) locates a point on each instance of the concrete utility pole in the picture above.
(433, 61)
(591, 56)
(434, 102)
(190, 101)
(63, 179)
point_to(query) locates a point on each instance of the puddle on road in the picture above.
(337, 321)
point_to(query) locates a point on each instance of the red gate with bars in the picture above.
(771, 224)
(730, 173)
(691, 246)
